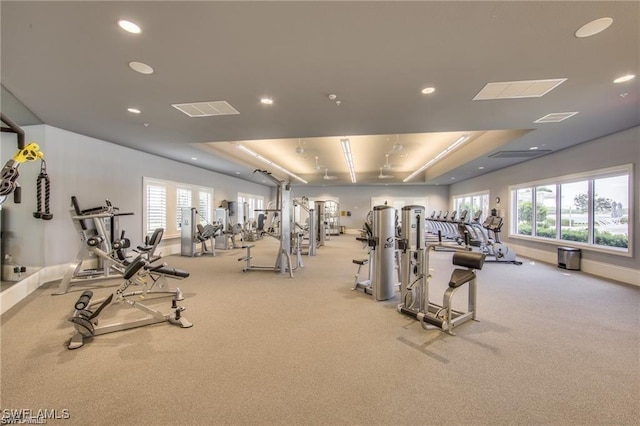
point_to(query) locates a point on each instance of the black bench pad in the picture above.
(460, 277)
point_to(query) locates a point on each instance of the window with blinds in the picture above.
(156, 207)
(183, 199)
(164, 201)
(204, 207)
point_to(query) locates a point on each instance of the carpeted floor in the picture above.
(552, 347)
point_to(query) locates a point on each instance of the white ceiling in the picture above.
(67, 62)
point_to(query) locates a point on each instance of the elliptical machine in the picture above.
(499, 251)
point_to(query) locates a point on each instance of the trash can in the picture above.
(569, 258)
(343, 229)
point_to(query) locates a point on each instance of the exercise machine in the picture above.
(307, 228)
(87, 310)
(414, 286)
(10, 172)
(193, 233)
(490, 244)
(283, 234)
(100, 222)
(381, 239)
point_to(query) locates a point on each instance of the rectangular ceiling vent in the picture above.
(518, 89)
(555, 117)
(520, 154)
(206, 109)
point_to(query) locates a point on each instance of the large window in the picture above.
(164, 200)
(611, 211)
(546, 211)
(476, 203)
(523, 220)
(574, 215)
(594, 209)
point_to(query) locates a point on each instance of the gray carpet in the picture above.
(552, 347)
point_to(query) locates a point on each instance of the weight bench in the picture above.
(87, 310)
(460, 277)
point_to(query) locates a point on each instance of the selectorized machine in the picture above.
(381, 240)
(414, 285)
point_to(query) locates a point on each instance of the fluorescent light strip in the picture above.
(346, 150)
(438, 157)
(269, 162)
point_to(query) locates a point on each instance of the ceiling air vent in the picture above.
(555, 117)
(518, 89)
(206, 109)
(520, 154)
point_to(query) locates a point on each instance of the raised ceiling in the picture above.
(68, 63)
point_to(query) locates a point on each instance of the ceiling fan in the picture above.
(327, 177)
(387, 165)
(318, 166)
(300, 149)
(383, 176)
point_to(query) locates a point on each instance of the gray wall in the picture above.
(95, 170)
(357, 199)
(21, 233)
(613, 150)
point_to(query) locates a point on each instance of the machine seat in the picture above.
(169, 271)
(360, 261)
(460, 277)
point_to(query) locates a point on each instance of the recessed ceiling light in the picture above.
(624, 78)
(129, 26)
(140, 67)
(481, 168)
(266, 101)
(134, 110)
(237, 173)
(194, 158)
(428, 90)
(594, 27)
(533, 148)
(453, 178)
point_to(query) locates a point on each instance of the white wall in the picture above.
(94, 170)
(613, 150)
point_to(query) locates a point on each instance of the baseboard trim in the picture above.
(20, 290)
(593, 267)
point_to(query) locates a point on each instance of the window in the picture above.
(183, 199)
(156, 208)
(524, 211)
(574, 216)
(611, 211)
(204, 207)
(247, 206)
(546, 211)
(594, 209)
(476, 203)
(164, 200)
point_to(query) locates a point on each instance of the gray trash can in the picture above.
(569, 258)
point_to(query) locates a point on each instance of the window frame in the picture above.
(590, 177)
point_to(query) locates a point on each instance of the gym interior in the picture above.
(328, 261)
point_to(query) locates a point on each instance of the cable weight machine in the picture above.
(283, 210)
